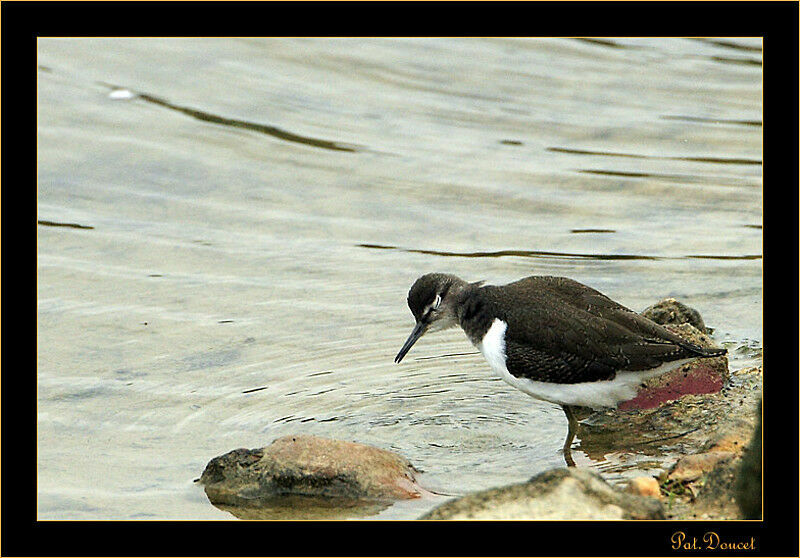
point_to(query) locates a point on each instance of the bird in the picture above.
(553, 338)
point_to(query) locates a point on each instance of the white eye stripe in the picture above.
(437, 302)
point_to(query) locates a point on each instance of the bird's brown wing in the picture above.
(578, 336)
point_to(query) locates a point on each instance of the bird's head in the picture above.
(432, 300)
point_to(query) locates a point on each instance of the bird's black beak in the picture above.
(418, 331)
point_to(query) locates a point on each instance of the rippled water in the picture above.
(228, 229)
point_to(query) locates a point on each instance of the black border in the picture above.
(22, 22)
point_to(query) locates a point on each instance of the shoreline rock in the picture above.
(748, 485)
(557, 494)
(309, 466)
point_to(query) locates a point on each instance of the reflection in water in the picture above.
(297, 507)
(679, 178)
(719, 257)
(255, 127)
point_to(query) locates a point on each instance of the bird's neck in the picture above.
(473, 314)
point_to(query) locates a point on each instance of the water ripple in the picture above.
(561, 255)
(244, 124)
(715, 160)
(702, 120)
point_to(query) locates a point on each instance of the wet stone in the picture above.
(304, 465)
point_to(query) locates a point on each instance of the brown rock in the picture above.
(310, 466)
(671, 311)
(692, 334)
(748, 484)
(644, 486)
(692, 467)
(716, 497)
(556, 494)
(732, 437)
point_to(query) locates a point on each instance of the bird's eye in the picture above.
(437, 302)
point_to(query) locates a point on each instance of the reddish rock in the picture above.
(703, 375)
(719, 421)
(690, 379)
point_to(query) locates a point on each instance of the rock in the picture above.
(692, 467)
(714, 479)
(556, 494)
(720, 421)
(731, 436)
(748, 484)
(704, 375)
(644, 486)
(692, 334)
(309, 466)
(670, 311)
(715, 497)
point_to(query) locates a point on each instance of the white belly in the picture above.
(601, 393)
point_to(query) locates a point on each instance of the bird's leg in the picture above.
(573, 428)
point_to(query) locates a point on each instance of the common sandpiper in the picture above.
(553, 338)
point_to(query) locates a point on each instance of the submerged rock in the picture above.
(307, 465)
(553, 495)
